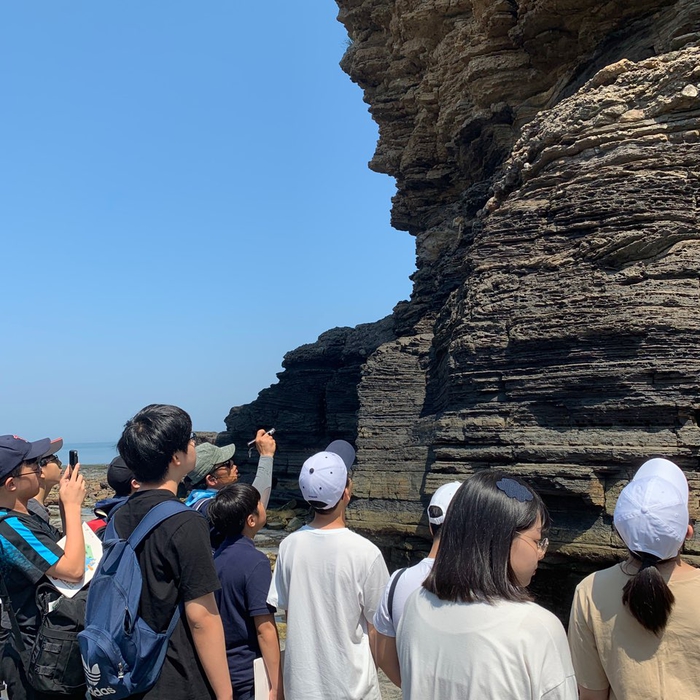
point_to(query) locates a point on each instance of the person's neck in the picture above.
(434, 549)
(167, 484)
(44, 491)
(670, 567)
(14, 504)
(330, 521)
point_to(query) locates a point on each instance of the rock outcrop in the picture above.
(547, 157)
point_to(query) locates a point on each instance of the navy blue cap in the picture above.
(14, 450)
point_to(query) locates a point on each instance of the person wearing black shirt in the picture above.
(175, 558)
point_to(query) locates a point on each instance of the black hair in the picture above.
(435, 512)
(14, 473)
(231, 507)
(151, 438)
(473, 562)
(647, 595)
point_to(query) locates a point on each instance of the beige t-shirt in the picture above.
(610, 648)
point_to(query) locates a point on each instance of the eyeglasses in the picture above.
(541, 545)
(36, 470)
(228, 465)
(193, 438)
(47, 460)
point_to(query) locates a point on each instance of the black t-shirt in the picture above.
(177, 566)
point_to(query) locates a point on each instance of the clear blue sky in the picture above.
(185, 198)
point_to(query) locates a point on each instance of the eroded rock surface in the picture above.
(547, 160)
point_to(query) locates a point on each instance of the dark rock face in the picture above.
(547, 160)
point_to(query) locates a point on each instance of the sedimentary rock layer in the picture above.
(547, 160)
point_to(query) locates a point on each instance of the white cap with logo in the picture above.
(324, 475)
(651, 514)
(441, 500)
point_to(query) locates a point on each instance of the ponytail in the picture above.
(647, 595)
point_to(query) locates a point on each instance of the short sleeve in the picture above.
(278, 595)
(28, 550)
(256, 589)
(190, 543)
(373, 587)
(589, 670)
(382, 618)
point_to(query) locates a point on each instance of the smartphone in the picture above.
(72, 459)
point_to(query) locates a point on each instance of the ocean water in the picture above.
(90, 452)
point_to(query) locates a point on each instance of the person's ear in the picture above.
(251, 521)
(689, 533)
(210, 480)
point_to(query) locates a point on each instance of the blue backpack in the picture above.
(121, 654)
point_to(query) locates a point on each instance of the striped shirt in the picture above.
(27, 549)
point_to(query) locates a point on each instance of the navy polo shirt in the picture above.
(245, 577)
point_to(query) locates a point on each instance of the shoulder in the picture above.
(362, 544)
(539, 621)
(16, 526)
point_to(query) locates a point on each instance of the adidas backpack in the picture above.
(121, 654)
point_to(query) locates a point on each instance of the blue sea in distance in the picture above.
(90, 452)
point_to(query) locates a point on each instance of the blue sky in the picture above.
(185, 198)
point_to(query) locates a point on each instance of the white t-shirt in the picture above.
(411, 579)
(330, 583)
(482, 651)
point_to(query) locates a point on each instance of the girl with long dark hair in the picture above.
(472, 631)
(634, 627)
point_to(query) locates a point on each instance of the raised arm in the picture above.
(266, 446)
(71, 493)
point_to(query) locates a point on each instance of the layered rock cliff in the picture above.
(546, 154)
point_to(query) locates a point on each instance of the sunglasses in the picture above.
(228, 465)
(47, 460)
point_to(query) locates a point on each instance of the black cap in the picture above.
(119, 477)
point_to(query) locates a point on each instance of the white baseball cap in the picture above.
(441, 499)
(651, 514)
(324, 475)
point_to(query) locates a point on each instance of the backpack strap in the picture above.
(392, 590)
(154, 517)
(150, 520)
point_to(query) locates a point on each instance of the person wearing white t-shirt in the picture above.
(472, 632)
(403, 582)
(330, 582)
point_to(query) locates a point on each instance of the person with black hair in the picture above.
(330, 581)
(472, 631)
(28, 548)
(215, 469)
(237, 512)
(50, 476)
(175, 557)
(633, 629)
(404, 581)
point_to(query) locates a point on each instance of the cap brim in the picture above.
(56, 446)
(344, 450)
(39, 448)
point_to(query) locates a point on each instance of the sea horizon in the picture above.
(97, 453)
